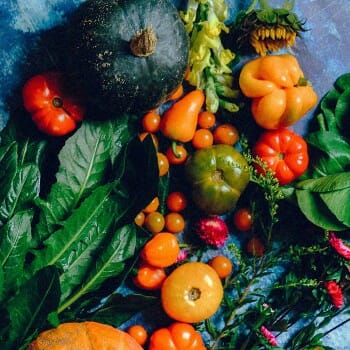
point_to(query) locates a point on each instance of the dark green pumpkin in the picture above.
(130, 55)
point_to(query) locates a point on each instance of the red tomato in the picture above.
(178, 336)
(284, 152)
(54, 110)
(149, 277)
(242, 219)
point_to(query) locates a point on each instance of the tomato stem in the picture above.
(57, 102)
(174, 149)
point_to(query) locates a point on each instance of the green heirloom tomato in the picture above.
(218, 174)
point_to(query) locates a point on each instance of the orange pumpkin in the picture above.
(84, 336)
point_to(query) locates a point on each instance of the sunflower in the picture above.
(266, 29)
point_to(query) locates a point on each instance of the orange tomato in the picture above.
(180, 155)
(222, 265)
(176, 201)
(225, 134)
(154, 222)
(203, 138)
(174, 222)
(152, 206)
(151, 121)
(178, 336)
(162, 250)
(149, 277)
(206, 119)
(163, 163)
(192, 292)
(140, 218)
(139, 333)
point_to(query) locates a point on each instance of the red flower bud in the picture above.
(212, 230)
(268, 336)
(339, 246)
(335, 293)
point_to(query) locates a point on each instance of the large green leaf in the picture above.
(85, 163)
(24, 188)
(109, 262)
(78, 231)
(327, 183)
(29, 308)
(15, 241)
(342, 112)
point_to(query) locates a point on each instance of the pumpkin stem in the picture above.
(143, 43)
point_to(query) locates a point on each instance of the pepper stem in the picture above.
(174, 149)
(143, 43)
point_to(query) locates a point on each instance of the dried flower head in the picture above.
(335, 293)
(341, 248)
(212, 230)
(268, 336)
(267, 29)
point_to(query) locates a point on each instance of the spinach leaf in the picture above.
(29, 308)
(85, 163)
(342, 112)
(15, 241)
(8, 167)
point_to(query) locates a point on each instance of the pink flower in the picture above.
(335, 293)
(339, 246)
(268, 336)
(182, 255)
(212, 230)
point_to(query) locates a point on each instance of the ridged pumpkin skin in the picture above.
(115, 79)
(84, 336)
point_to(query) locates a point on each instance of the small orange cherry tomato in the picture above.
(206, 119)
(174, 222)
(140, 218)
(152, 206)
(222, 265)
(180, 156)
(178, 336)
(163, 163)
(242, 219)
(225, 134)
(255, 247)
(139, 333)
(162, 250)
(151, 122)
(177, 93)
(176, 201)
(203, 138)
(154, 222)
(149, 277)
(192, 292)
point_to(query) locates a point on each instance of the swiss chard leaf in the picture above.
(15, 241)
(24, 189)
(342, 112)
(29, 308)
(85, 163)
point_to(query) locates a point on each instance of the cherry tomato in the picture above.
(140, 218)
(177, 93)
(222, 265)
(255, 247)
(154, 222)
(206, 120)
(139, 333)
(163, 163)
(162, 250)
(155, 140)
(178, 336)
(151, 121)
(149, 277)
(174, 222)
(180, 156)
(152, 206)
(225, 134)
(192, 292)
(176, 201)
(203, 138)
(242, 219)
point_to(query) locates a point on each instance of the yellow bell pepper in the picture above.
(280, 93)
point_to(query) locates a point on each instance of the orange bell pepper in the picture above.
(280, 93)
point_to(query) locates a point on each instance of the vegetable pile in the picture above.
(153, 209)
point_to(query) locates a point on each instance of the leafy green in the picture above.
(29, 307)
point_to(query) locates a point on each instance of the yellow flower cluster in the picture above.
(271, 39)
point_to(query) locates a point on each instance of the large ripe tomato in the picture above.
(218, 174)
(284, 152)
(192, 292)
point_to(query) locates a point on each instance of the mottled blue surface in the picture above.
(323, 53)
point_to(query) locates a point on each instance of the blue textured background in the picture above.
(323, 54)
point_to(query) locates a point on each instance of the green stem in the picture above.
(174, 149)
(252, 6)
(264, 4)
